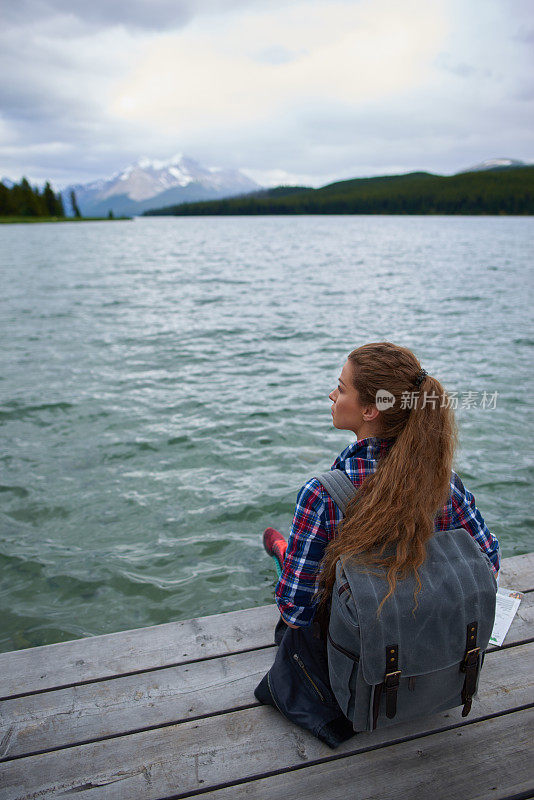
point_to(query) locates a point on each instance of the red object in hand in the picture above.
(275, 545)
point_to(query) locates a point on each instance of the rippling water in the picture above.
(164, 395)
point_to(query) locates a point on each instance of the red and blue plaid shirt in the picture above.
(317, 517)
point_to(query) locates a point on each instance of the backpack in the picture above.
(403, 664)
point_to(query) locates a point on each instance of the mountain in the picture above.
(495, 163)
(154, 184)
(488, 191)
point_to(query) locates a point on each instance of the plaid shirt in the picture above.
(316, 518)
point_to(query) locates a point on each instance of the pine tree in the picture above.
(28, 200)
(6, 202)
(50, 200)
(60, 211)
(75, 210)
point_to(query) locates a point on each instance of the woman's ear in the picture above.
(370, 413)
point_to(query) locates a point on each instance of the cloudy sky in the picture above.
(288, 90)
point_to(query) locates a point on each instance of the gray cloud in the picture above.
(136, 14)
(526, 36)
(277, 55)
(463, 70)
(59, 61)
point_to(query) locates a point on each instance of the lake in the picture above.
(164, 395)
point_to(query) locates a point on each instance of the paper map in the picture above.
(507, 604)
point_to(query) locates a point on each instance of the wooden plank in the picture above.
(484, 760)
(49, 666)
(90, 711)
(212, 751)
(105, 708)
(97, 657)
(517, 572)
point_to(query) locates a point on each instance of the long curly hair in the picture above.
(391, 517)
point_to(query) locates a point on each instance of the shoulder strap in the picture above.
(339, 486)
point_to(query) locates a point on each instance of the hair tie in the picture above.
(419, 378)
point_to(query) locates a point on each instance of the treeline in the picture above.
(23, 200)
(497, 191)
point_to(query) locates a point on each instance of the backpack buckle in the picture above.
(391, 679)
(470, 659)
(470, 665)
(391, 685)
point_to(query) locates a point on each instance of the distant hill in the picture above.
(479, 191)
(154, 184)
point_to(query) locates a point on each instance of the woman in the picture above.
(401, 464)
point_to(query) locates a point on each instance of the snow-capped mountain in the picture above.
(149, 184)
(496, 163)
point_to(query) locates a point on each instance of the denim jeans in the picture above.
(298, 684)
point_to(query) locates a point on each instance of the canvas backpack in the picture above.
(402, 664)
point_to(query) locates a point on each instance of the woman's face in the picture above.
(348, 414)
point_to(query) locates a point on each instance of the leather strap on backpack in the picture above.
(392, 679)
(470, 665)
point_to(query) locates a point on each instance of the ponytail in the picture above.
(390, 519)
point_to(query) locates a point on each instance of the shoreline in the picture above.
(25, 220)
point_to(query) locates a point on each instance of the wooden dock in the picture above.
(169, 712)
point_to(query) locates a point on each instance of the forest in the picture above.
(496, 191)
(23, 200)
